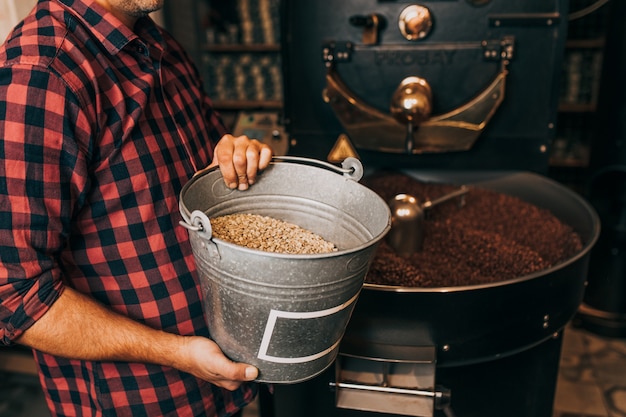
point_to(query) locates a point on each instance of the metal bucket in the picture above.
(285, 313)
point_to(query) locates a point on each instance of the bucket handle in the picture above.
(350, 167)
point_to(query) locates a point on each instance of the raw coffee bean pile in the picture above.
(492, 237)
(268, 234)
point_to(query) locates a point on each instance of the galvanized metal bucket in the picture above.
(285, 313)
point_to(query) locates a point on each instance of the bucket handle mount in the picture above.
(199, 222)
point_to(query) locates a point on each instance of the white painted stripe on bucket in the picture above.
(276, 314)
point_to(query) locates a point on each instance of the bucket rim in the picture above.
(310, 163)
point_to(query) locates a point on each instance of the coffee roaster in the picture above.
(453, 91)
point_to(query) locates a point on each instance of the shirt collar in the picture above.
(112, 33)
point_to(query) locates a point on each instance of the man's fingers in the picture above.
(240, 159)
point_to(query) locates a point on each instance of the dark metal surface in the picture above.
(451, 58)
(479, 323)
(604, 307)
(497, 346)
(514, 386)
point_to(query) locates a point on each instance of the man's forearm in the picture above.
(78, 327)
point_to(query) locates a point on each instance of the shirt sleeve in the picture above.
(43, 177)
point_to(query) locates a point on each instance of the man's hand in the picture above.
(240, 159)
(205, 360)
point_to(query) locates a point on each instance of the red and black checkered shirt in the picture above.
(100, 127)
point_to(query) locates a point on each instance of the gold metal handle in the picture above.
(415, 22)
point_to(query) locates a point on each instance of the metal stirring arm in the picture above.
(458, 193)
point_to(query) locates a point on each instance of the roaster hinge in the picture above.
(499, 50)
(334, 52)
(548, 20)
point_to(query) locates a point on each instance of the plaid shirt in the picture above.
(100, 128)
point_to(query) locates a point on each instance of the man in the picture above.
(102, 121)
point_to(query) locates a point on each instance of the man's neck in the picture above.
(125, 18)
